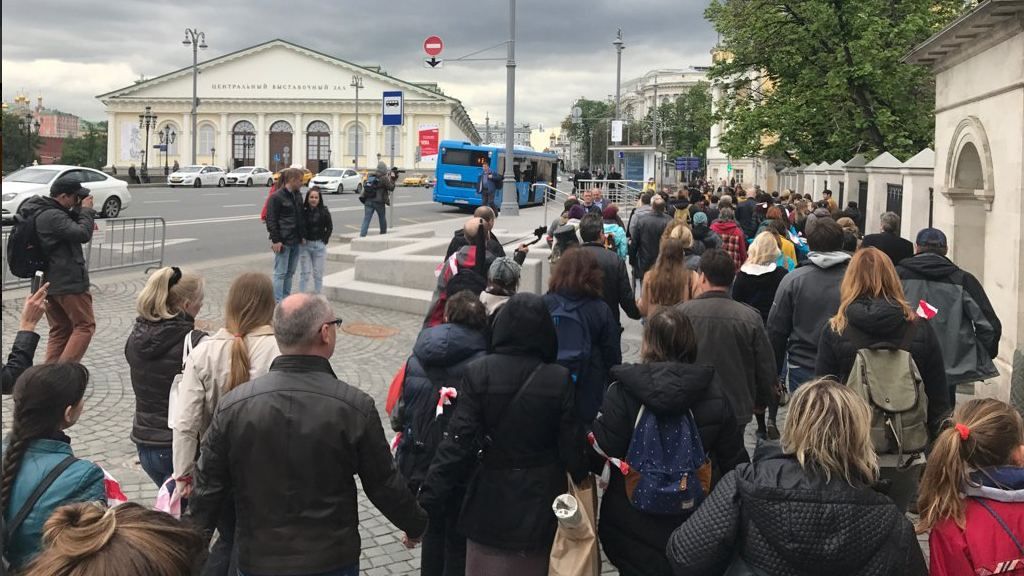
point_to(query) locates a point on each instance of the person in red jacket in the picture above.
(733, 240)
(972, 492)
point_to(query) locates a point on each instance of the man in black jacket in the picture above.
(745, 208)
(64, 221)
(285, 225)
(648, 236)
(731, 337)
(24, 347)
(287, 447)
(459, 239)
(889, 240)
(617, 290)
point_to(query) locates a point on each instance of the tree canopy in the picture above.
(88, 150)
(19, 146)
(820, 80)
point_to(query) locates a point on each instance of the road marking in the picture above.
(239, 205)
(352, 226)
(160, 201)
(256, 217)
(410, 220)
(216, 194)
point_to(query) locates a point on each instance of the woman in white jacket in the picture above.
(237, 353)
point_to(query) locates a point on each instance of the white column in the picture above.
(299, 142)
(412, 139)
(224, 151)
(113, 138)
(185, 139)
(373, 146)
(262, 154)
(336, 140)
(447, 126)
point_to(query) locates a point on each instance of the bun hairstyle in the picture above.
(88, 539)
(41, 397)
(982, 433)
(250, 305)
(167, 292)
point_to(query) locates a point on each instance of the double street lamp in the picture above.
(248, 143)
(27, 124)
(197, 40)
(147, 120)
(357, 83)
(167, 137)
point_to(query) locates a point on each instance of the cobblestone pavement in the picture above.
(102, 434)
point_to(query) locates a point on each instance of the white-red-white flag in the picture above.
(926, 310)
(113, 488)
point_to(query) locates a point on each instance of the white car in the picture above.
(197, 176)
(110, 195)
(249, 175)
(338, 180)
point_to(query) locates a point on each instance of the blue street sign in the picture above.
(687, 163)
(277, 157)
(160, 147)
(621, 154)
(392, 108)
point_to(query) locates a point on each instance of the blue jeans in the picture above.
(351, 570)
(157, 462)
(311, 266)
(285, 263)
(368, 209)
(796, 376)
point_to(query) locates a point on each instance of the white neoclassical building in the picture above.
(278, 104)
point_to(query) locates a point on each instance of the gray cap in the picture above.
(504, 271)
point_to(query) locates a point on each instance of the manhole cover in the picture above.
(369, 330)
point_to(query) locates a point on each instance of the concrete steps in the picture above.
(343, 287)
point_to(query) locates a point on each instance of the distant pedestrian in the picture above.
(286, 226)
(615, 232)
(647, 237)
(703, 234)
(487, 187)
(285, 450)
(176, 167)
(23, 349)
(133, 175)
(48, 399)
(375, 198)
(317, 232)
(167, 308)
(64, 222)
(889, 240)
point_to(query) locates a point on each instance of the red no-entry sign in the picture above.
(433, 45)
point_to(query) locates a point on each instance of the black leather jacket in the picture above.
(285, 219)
(288, 446)
(319, 225)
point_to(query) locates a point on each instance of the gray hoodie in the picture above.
(805, 300)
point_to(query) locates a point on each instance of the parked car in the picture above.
(338, 180)
(197, 176)
(249, 175)
(416, 181)
(306, 176)
(111, 195)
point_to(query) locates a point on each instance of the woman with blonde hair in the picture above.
(235, 354)
(669, 282)
(760, 276)
(819, 480)
(680, 230)
(167, 308)
(873, 313)
(127, 540)
(971, 491)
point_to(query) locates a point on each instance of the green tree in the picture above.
(88, 150)
(686, 123)
(19, 146)
(592, 131)
(820, 80)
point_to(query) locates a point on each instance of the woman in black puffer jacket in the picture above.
(315, 235)
(669, 384)
(167, 309)
(806, 508)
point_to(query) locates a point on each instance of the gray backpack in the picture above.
(887, 378)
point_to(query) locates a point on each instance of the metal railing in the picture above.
(116, 243)
(622, 192)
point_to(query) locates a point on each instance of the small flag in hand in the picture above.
(926, 310)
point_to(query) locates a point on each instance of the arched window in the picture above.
(207, 136)
(318, 146)
(396, 133)
(356, 133)
(243, 143)
(318, 127)
(281, 126)
(172, 148)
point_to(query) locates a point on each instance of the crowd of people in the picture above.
(509, 400)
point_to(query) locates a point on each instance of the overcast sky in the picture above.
(69, 51)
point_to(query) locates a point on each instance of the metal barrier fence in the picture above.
(622, 192)
(116, 243)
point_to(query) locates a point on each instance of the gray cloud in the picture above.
(563, 48)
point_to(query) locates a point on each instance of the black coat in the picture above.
(635, 541)
(758, 290)
(745, 217)
(318, 225)
(62, 233)
(287, 447)
(648, 239)
(782, 520)
(618, 289)
(285, 219)
(153, 352)
(20, 359)
(881, 321)
(894, 246)
(494, 248)
(533, 443)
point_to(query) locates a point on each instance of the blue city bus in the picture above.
(460, 164)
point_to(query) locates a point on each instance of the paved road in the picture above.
(215, 223)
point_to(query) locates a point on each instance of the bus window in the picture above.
(460, 157)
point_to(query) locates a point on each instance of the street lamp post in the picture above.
(213, 156)
(147, 120)
(167, 137)
(619, 47)
(27, 123)
(198, 40)
(509, 196)
(357, 83)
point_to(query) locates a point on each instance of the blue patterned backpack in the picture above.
(669, 473)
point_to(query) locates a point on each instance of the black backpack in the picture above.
(25, 254)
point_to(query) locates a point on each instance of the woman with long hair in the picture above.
(873, 312)
(126, 540)
(670, 385)
(760, 276)
(577, 305)
(970, 492)
(48, 399)
(317, 233)
(670, 281)
(680, 230)
(813, 487)
(167, 308)
(235, 354)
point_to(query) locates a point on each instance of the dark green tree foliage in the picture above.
(686, 123)
(88, 150)
(830, 81)
(592, 131)
(19, 147)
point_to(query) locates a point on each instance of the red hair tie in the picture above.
(239, 335)
(964, 431)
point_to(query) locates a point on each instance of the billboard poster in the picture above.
(131, 147)
(429, 141)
